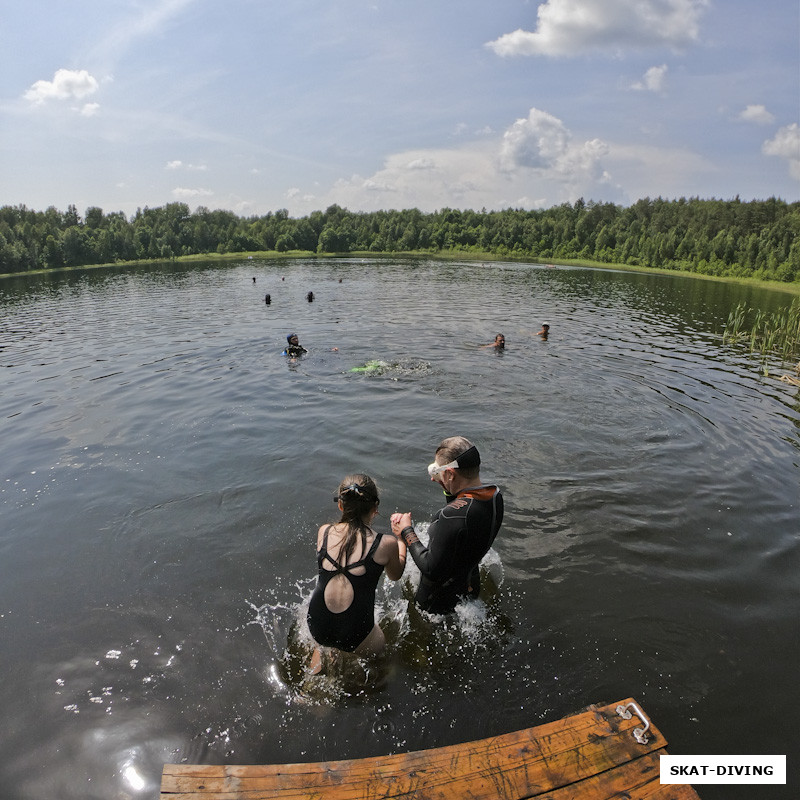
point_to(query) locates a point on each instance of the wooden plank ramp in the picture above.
(588, 756)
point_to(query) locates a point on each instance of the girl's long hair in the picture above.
(358, 495)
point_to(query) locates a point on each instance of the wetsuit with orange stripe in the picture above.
(460, 535)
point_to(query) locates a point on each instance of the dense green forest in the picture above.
(714, 237)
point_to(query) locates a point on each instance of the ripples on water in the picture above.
(164, 470)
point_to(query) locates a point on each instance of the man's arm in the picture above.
(435, 561)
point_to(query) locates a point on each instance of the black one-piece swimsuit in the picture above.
(345, 630)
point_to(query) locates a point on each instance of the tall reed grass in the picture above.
(773, 335)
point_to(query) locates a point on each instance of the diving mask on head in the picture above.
(435, 469)
(468, 459)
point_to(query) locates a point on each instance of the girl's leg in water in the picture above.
(315, 665)
(373, 644)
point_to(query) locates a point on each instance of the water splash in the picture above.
(405, 366)
(415, 640)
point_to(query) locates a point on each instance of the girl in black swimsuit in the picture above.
(351, 558)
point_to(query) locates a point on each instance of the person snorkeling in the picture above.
(293, 346)
(351, 557)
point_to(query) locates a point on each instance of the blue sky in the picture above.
(254, 105)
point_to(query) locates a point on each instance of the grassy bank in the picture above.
(143, 262)
(444, 255)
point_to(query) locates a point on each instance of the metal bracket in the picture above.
(640, 734)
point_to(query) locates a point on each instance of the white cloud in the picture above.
(653, 80)
(188, 194)
(190, 167)
(454, 177)
(536, 157)
(537, 141)
(542, 142)
(652, 171)
(371, 185)
(295, 194)
(757, 114)
(67, 84)
(571, 27)
(90, 109)
(421, 163)
(786, 144)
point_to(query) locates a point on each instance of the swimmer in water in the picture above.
(499, 342)
(293, 346)
(351, 557)
(544, 332)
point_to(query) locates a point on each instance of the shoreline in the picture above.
(444, 255)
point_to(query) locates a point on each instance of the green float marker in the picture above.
(369, 366)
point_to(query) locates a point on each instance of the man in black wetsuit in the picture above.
(293, 346)
(460, 534)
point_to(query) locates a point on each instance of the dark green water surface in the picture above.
(163, 471)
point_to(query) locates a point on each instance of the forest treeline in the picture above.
(715, 237)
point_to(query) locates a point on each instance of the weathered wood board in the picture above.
(588, 756)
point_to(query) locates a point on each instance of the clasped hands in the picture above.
(399, 522)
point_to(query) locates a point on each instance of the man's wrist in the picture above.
(408, 535)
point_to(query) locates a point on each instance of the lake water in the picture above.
(164, 470)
